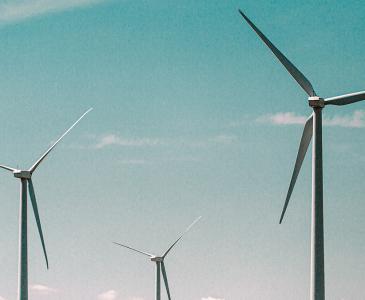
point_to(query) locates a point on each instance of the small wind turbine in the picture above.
(25, 177)
(159, 260)
(313, 127)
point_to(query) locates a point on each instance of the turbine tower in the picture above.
(25, 177)
(160, 265)
(312, 128)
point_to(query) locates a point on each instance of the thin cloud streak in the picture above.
(42, 289)
(212, 298)
(356, 120)
(19, 10)
(108, 295)
(282, 118)
(113, 139)
(109, 140)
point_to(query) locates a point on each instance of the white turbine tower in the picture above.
(25, 177)
(160, 266)
(313, 127)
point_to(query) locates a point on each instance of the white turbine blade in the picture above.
(165, 280)
(304, 143)
(186, 230)
(32, 168)
(36, 215)
(346, 99)
(139, 251)
(7, 168)
(297, 75)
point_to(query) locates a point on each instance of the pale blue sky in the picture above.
(192, 116)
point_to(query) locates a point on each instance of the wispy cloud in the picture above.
(113, 139)
(18, 10)
(212, 298)
(117, 140)
(282, 118)
(42, 289)
(356, 120)
(108, 295)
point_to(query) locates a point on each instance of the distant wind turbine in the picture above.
(313, 127)
(25, 177)
(159, 260)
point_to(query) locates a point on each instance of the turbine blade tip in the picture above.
(281, 218)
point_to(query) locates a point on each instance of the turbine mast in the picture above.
(317, 291)
(158, 281)
(23, 243)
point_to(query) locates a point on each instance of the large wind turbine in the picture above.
(25, 177)
(313, 127)
(159, 260)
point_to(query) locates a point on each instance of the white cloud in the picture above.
(282, 118)
(17, 10)
(42, 289)
(1, 298)
(108, 295)
(116, 140)
(113, 139)
(212, 298)
(356, 120)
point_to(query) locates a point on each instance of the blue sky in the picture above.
(192, 116)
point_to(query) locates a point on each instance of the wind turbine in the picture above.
(160, 265)
(25, 177)
(312, 128)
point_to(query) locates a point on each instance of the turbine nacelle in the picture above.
(22, 174)
(27, 184)
(316, 101)
(157, 258)
(312, 127)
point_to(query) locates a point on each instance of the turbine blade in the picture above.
(346, 99)
(7, 168)
(304, 143)
(32, 168)
(36, 215)
(186, 230)
(165, 280)
(139, 251)
(297, 75)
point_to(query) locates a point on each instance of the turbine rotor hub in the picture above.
(22, 174)
(316, 102)
(157, 259)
